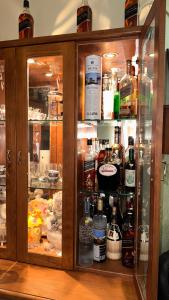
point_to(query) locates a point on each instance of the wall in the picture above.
(58, 16)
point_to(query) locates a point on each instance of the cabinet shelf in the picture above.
(104, 122)
(58, 188)
(115, 194)
(45, 121)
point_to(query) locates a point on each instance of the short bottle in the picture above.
(114, 237)
(130, 172)
(99, 233)
(26, 22)
(86, 236)
(84, 17)
(128, 239)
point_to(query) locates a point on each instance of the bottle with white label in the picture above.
(93, 87)
(144, 243)
(130, 172)
(108, 173)
(114, 237)
(99, 233)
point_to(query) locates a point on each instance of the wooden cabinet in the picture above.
(44, 130)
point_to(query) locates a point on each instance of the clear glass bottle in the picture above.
(86, 236)
(117, 102)
(99, 233)
(114, 237)
(84, 17)
(128, 93)
(26, 22)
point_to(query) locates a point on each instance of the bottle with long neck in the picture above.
(117, 102)
(84, 17)
(130, 146)
(26, 22)
(130, 173)
(118, 152)
(114, 237)
(89, 167)
(86, 236)
(99, 233)
(128, 239)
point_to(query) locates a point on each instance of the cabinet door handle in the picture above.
(19, 157)
(8, 156)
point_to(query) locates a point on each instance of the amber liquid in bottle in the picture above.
(84, 17)
(131, 8)
(26, 22)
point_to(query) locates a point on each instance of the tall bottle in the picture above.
(99, 233)
(86, 236)
(128, 93)
(84, 17)
(117, 102)
(130, 146)
(108, 99)
(26, 22)
(128, 239)
(114, 237)
(131, 10)
(130, 173)
(118, 152)
(89, 167)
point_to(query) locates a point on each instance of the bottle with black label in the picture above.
(26, 22)
(84, 17)
(99, 233)
(130, 172)
(128, 239)
(131, 9)
(114, 237)
(108, 173)
(89, 168)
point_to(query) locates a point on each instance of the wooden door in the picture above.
(152, 58)
(7, 155)
(45, 154)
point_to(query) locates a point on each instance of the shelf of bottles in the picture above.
(106, 152)
(3, 230)
(45, 156)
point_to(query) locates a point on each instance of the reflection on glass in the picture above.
(45, 161)
(145, 137)
(2, 157)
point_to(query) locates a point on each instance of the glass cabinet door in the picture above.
(7, 156)
(46, 160)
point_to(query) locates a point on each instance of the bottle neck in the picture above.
(131, 154)
(108, 156)
(117, 138)
(84, 2)
(129, 68)
(26, 10)
(86, 208)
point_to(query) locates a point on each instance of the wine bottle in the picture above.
(130, 172)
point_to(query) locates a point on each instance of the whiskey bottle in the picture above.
(89, 167)
(130, 172)
(26, 22)
(84, 17)
(128, 93)
(86, 236)
(99, 233)
(128, 239)
(114, 238)
(131, 9)
(108, 173)
(118, 153)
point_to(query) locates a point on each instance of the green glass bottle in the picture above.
(117, 102)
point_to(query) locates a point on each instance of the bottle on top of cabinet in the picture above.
(84, 17)
(26, 22)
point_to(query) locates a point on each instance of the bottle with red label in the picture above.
(84, 17)
(89, 167)
(26, 22)
(108, 173)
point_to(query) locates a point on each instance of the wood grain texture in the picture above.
(165, 130)
(43, 283)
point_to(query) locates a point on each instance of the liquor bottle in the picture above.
(84, 17)
(128, 203)
(99, 233)
(130, 146)
(128, 93)
(107, 209)
(130, 172)
(86, 236)
(26, 22)
(89, 167)
(131, 9)
(102, 152)
(128, 239)
(118, 152)
(114, 238)
(108, 173)
(108, 104)
(117, 103)
(93, 87)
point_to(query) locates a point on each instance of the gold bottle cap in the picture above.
(100, 204)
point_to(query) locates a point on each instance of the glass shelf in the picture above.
(45, 187)
(107, 193)
(44, 121)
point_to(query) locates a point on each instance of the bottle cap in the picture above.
(26, 3)
(89, 142)
(117, 129)
(131, 141)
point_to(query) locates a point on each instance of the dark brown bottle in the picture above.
(84, 17)
(128, 239)
(26, 22)
(130, 172)
(131, 8)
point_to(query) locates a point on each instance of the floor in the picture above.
(21, 281)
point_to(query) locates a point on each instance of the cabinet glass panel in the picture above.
(2, 157)
(45, 159)
(107, 112)
(145, 141)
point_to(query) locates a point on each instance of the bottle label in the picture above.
(25, 24)
(99, 252)
(99, 233)
(114, 249)
(128, 242)
(89, 174)
(85, 16)
(107, 170)
(126, 91)
(130, 178)
(131, 11)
